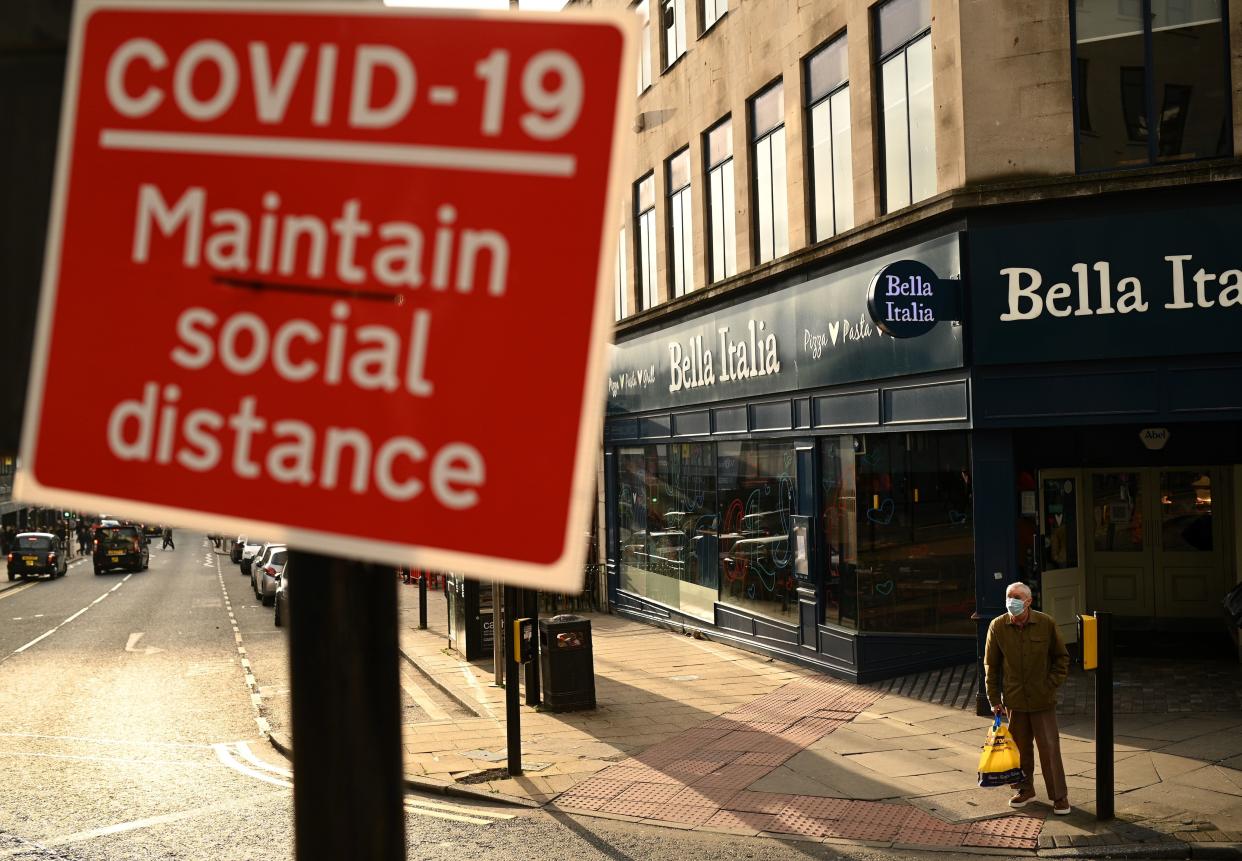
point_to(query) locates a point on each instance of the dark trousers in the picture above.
(168, 542)
(1039, 729)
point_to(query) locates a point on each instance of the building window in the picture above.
(680, 225)
(767, 123)
(712, 11)
(898, 552)
(643, 8)
(828, 125)
(673, 21)
(644, 219)
(1159, 84)
(721, 210)
(906, 101)
(666, 522)
(620, 283)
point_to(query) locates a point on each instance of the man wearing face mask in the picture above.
(1025, 661)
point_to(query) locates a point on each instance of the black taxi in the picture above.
(37, 554)
(121, 546)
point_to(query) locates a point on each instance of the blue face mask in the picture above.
(1015, 606)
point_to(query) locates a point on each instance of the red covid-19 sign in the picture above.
(334, 276)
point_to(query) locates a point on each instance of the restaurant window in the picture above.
(721, 210)
(907, 105)
(673, 13)
(1156, 77)
(620, 284)
(666, 519)
(712, 11)
(767, 124)
(828, 131)
(644, 221)
(680, 225)
(909, 568)
(756, 492)
(643, 8)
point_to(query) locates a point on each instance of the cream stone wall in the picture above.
(1001, 84)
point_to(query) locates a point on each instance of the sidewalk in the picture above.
(693, 734)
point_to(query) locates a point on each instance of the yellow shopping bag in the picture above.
(999, 762)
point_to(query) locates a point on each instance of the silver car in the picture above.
(249, 550)
(265, 572)
(281, 615)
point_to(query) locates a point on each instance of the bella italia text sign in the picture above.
(815, 332)
(1152, 282)
(907, 299)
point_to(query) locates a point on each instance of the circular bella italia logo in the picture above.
(902, 299)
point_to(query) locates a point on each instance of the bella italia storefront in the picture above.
(785, 475)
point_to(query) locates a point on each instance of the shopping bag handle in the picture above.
(996, 723)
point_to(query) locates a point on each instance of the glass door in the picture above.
(1189, 575)
(1119, 547)
(1063, 580)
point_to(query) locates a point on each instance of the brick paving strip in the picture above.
(699, 778)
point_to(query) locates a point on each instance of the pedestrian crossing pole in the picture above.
(348, 788)
(513, 713)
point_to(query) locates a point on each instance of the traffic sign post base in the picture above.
(347, 755)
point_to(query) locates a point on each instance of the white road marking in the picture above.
(150, 821)
(457, 808)
(132, 645)
(9, 593)
(248, 755)
(225, 755)
(453, 817)
(256, 698)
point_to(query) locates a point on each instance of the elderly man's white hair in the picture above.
(1018, 586)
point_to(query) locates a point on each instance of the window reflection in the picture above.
(757, 490)
(1186, 510)
(1117, 511)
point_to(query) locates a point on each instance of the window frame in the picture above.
(621, 277)
(754, 139)
(709, 224)
(644, 289)
(1153, 157)
(808, 133)
(646, 74)
(706, 26)
(680, 35)
(686, 265)
(878, 107)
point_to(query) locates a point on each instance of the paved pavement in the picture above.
(690, 734)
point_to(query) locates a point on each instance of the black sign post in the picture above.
(1104, 716)
(513, 714)
(347, 757)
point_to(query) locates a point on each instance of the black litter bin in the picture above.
(566, 663)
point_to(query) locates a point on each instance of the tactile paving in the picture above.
(705, 796)
(920, 821)
(1025, 827)
(630, 774)
(693, 767)
(760, 802)
(772, 759)
(685, 814)
(739, 740)
(846, 830)
(651, 792)
(926, 837)
(734, 776)
(739, 820)
(602, 788)
(582, 802)
(878, 813)
(999, 842)
(642, 809)
(819, 808)
(792, 822)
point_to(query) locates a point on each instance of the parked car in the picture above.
(120, 547)
(36, 553)
(235, 549)
(281, 600)
(264, 570)
(249, 550)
